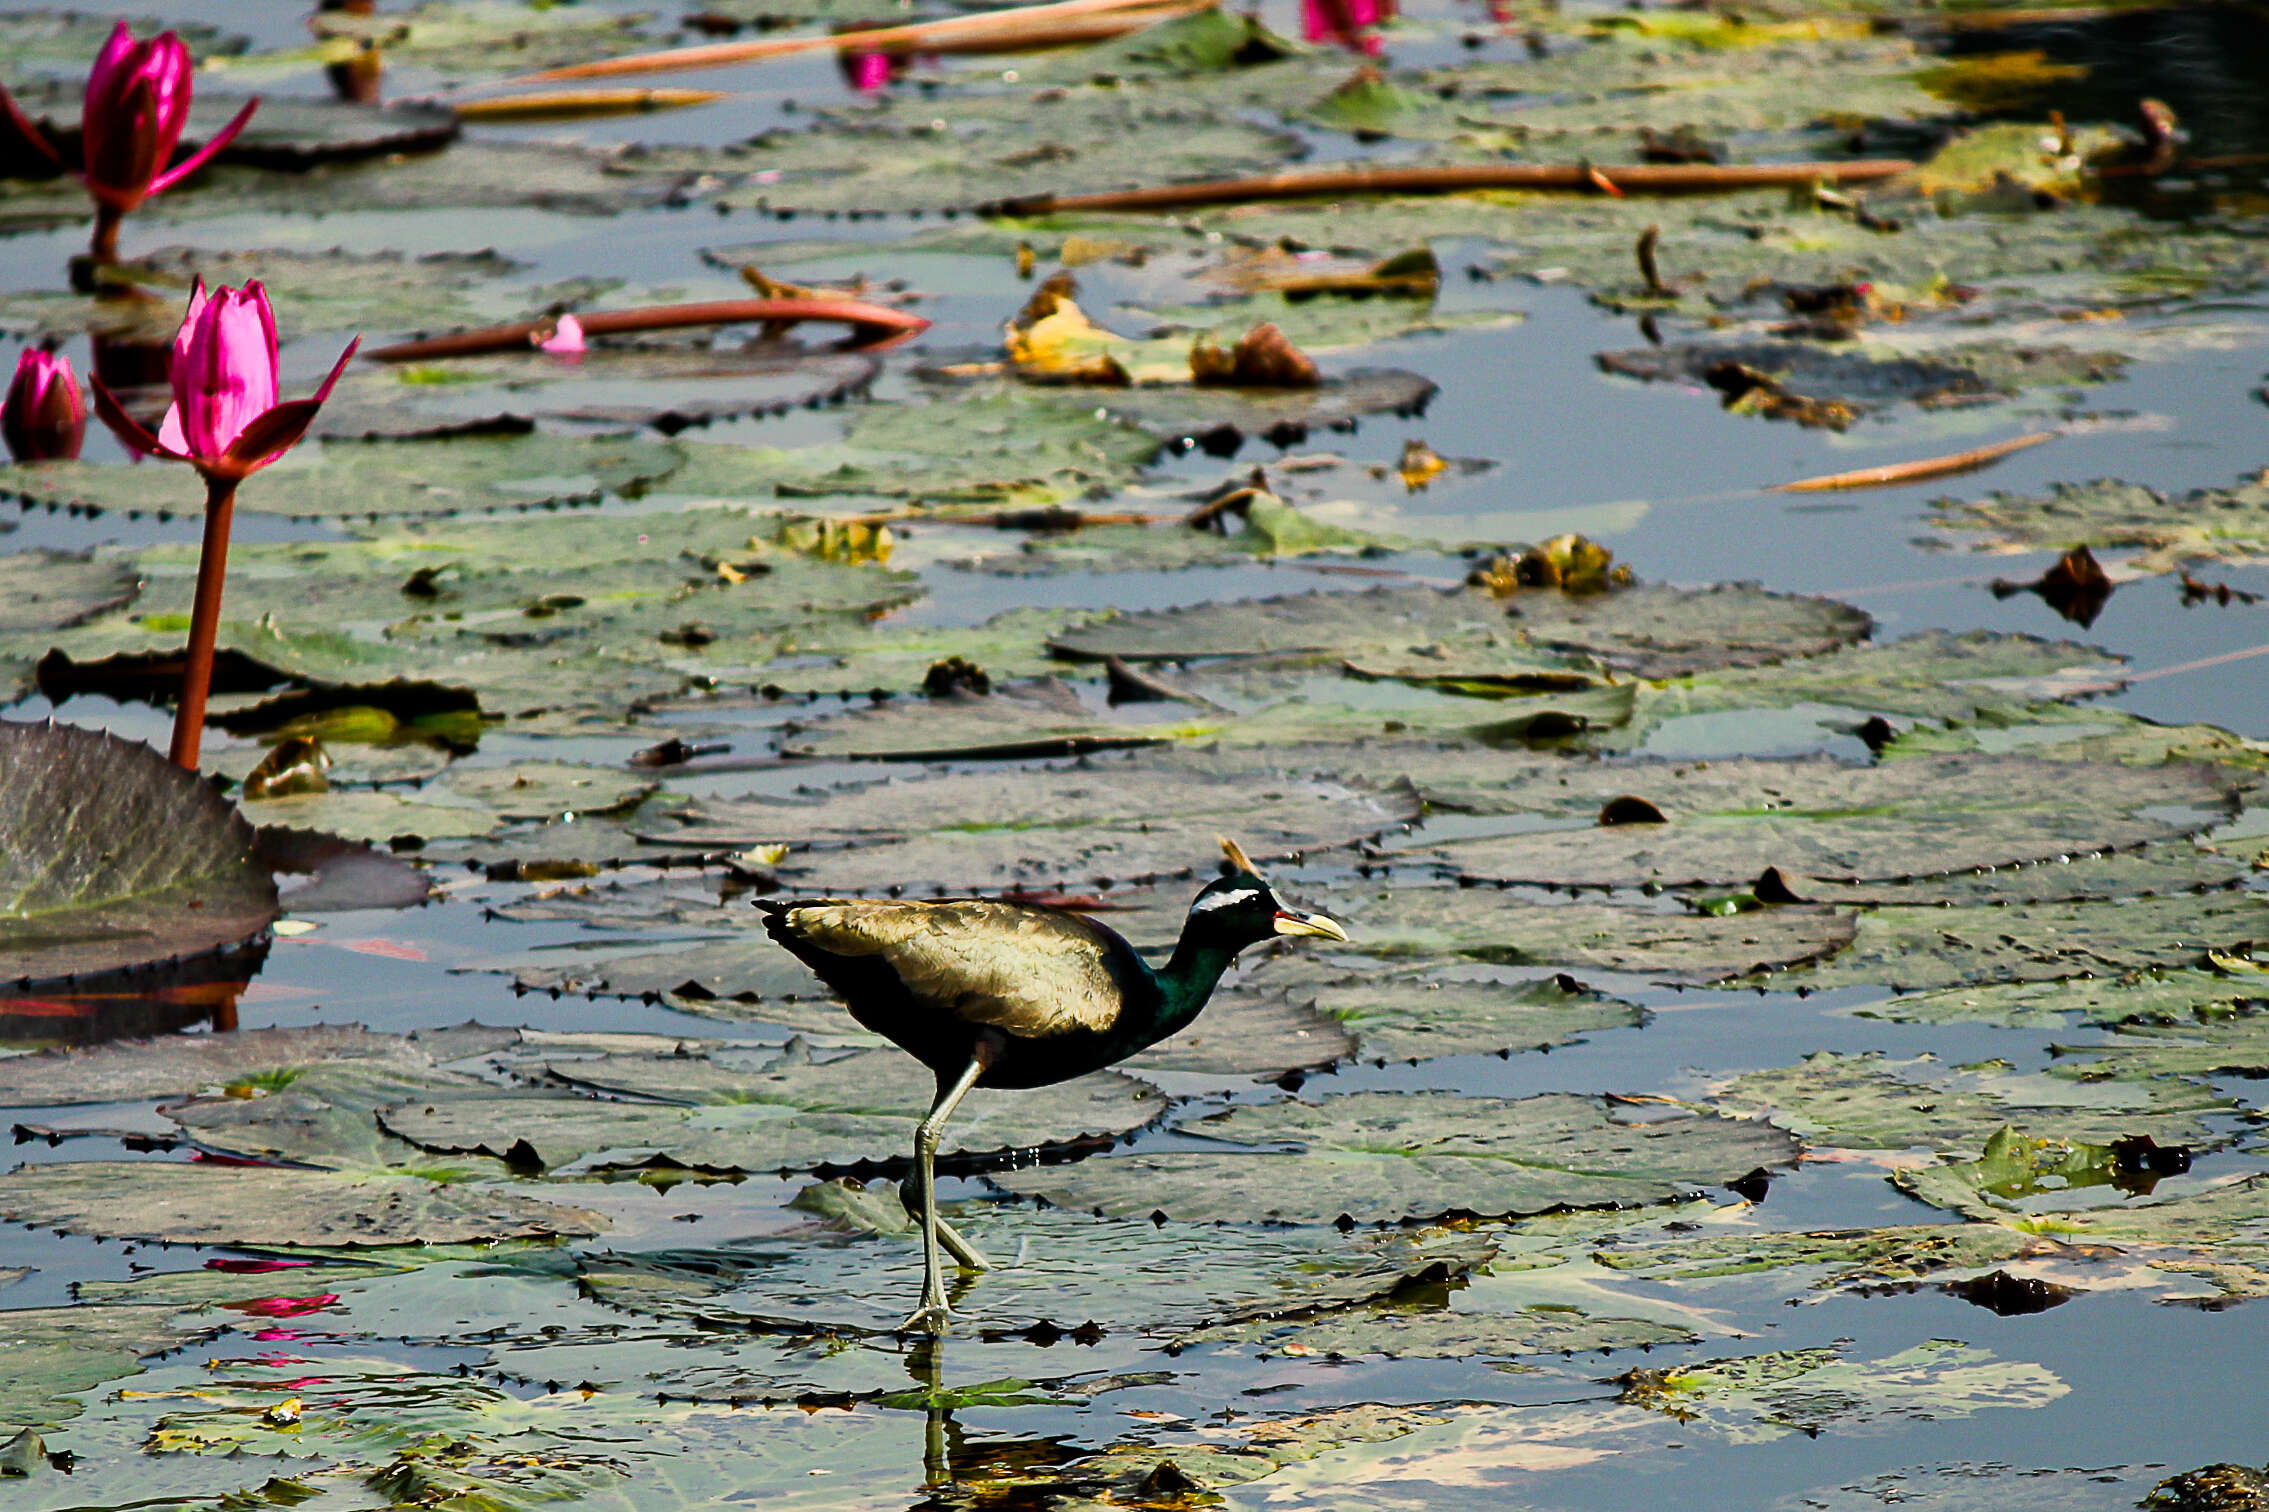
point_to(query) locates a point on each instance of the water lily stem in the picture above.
(103, 247)
(204, 622)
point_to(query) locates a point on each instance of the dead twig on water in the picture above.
(1457, 178)
(1023, 27)
(872, 326)
(1915, 472)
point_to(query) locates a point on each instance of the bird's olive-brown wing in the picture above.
(1026, 971)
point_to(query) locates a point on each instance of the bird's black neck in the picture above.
(1185, 982)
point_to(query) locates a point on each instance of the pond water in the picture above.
(1760, 1323)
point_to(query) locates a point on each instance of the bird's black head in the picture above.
(1239, 909)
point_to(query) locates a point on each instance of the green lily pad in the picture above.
(1924, 945)
(546, 790)
(372, 479)
(51, 590)
(1759, 1398)
(2153, 997)
(36, 42)
(1386, 1156)
(1867, 1102)
(1862, 381)
(1419, 1013)
(326, 1116)
(958, 152)
(668, 388)
(1646, 631)
(1401, 1334)
(273, 1208)
(2206, 524)
(1847, 1257)
(1726, 821)
(468, 175)
(153, 866)
(55, 1353)
(183, 1065)
(762, 1110)
(458, 39)
(2226, 1039)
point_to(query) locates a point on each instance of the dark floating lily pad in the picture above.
(1395, 1156)
(1642, 630)
(761, 1110)
(371, 480)
(2216, 524)
(51, 590)
(667, 389)
(50, 1355)
(178, 1066)
(1417, 1013)
(116, 858)
(273, 1208)
(1831, 386)
(1725, 822)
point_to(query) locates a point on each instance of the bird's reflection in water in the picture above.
(994, 1472)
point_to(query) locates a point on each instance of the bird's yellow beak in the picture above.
(1293, 921)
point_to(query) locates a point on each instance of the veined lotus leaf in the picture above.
(154, 866)
(1401, 1333)
(336, 290)
(1759, 1398)
(1407, 1013)
(547, 790)
(989, 444)
(1240, 1035)
(1107, 817)
(2231, 1218)
(2175, 866)
(1727, 821)
(2085, 734)
(203, 1290)
(1508, 929)
(958, 152)
(558, 177)
(1042, 718)
(2158, 997)
(38, 42)
(1849, 1257)
(2219, 524)
(2224, 1038)
(774, 15)
(1191, 49)
(53, 1354)
(273, 1208)
(2019, 1174)
(1860, 381)
(668, 388)
(50, 590)
(455, 39)
(1181, 415)
(1324, 323)
(183, 1065)
(551, 611)
(373, 818)
(1868, 1102)
(1271, 530)
(1395, 1156)
(1646, 631)
(1921, 945)
(296, 134)
(369, 480)
(764, 1110)
(897, 658)
(1935, 675)
(1129, 1278)
(327, 1116)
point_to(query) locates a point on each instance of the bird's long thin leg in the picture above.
(931, 1316)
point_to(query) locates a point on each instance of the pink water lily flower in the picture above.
(137, 103)
(225, 419)
(565, 340)
(43, 417)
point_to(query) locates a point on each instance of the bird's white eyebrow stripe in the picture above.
(1223, 900)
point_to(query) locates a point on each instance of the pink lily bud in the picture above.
(565, 340)
(43, 418)
(225, 419)
(869, 72)
(137, 103)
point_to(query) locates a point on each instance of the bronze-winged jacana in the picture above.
(993, 994)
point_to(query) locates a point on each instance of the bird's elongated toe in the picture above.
(930, 1318)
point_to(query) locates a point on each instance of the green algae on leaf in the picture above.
(154, 866)
(370, 480)
(1392, 1156)
(1868, 1102)
(2206, 524)
(1729, 820)
(1417, 1013)
(1759, 1398)
(763, 1109)
(273, 1208)
(54, 1354)
(1646, 631)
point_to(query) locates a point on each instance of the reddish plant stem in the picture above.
(103, 247)
(204, 623)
